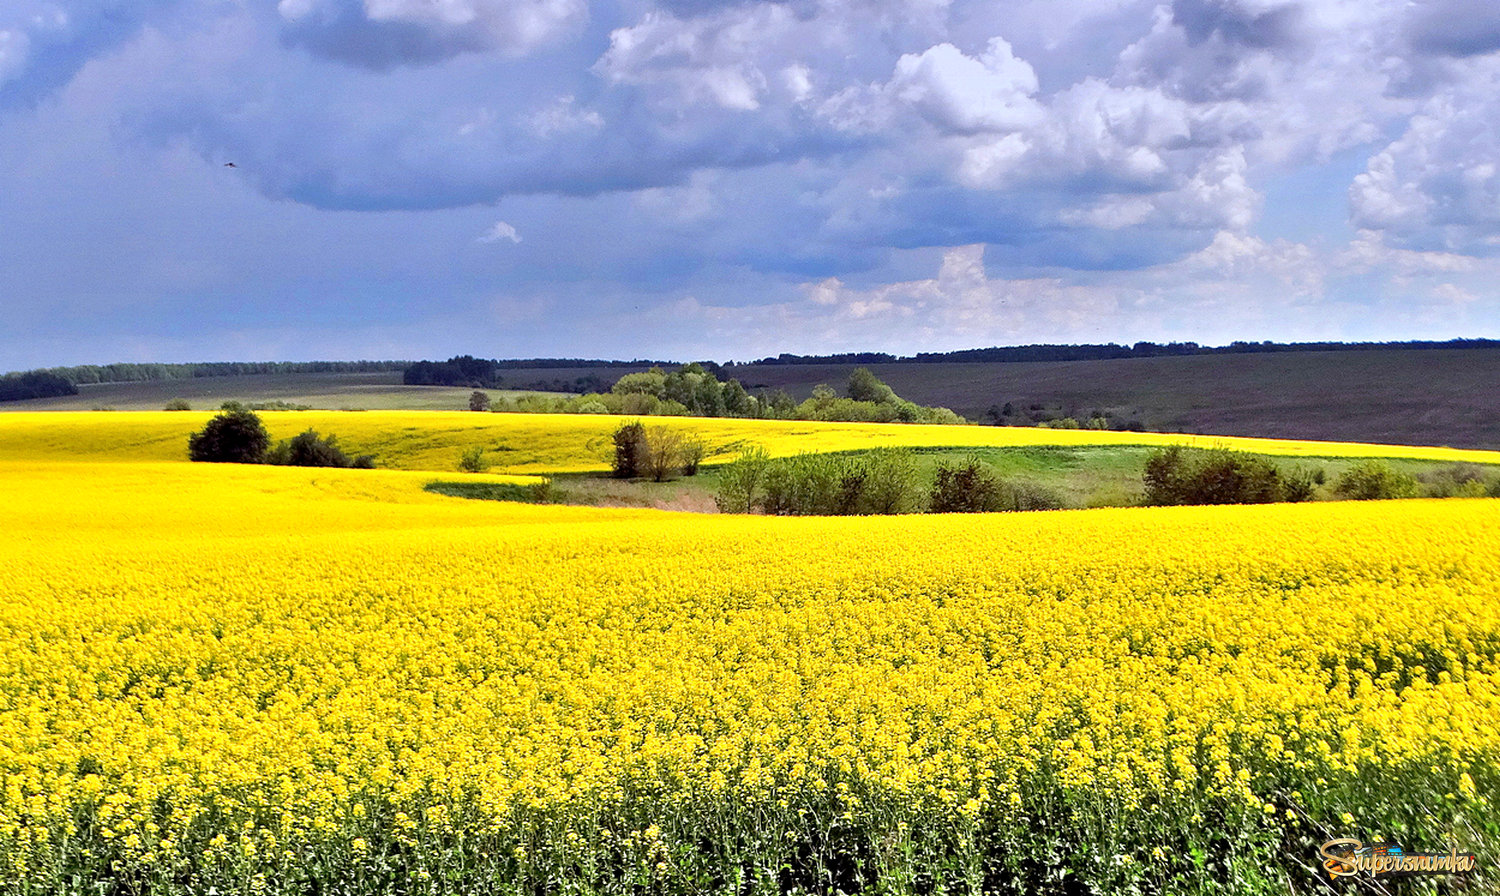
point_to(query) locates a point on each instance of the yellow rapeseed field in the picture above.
(233, 679)
(537, 443)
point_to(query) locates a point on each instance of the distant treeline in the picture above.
(484, 373)
(34, 384)
(1111, 351)
(88, 374)
(548, 363)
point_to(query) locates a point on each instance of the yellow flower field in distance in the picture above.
(252, 679)
(555, 443)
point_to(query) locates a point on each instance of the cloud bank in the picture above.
(885, 174)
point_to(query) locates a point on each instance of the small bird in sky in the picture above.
(230, 165)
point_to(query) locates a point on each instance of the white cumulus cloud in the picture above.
(501, 231)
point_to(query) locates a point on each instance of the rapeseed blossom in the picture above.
(257, 679)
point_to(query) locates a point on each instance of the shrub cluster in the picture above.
(694, 391)
(659, 452)
(1461, 481)
(311, 450)
(238, 436)
(235, 436)
(881, 481)
(1374, 480)
(1178, 475)
(971, 487)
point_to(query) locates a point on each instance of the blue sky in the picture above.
(686, 178)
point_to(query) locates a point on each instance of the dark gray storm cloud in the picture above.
(383, 34)
(1458, 28)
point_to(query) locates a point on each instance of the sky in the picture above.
(397, 179)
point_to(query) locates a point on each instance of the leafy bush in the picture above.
(1458, 481)
(968, 487)
(177, 404)
(1023, 494)
(1301, 484)
(693, 449)
(235, 436)
(309, 450)
(865, 386)
(542, 491)
(881, 481)
(740, 482)
(1177, 475)
(473, 460)
(630, 450)
(479, 401)
(1374, 480)
(663, 453)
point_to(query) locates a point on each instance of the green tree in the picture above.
(630, 450)
(741, 482)
(865, 386)
(890, 482)
(663, 454)
(235, 436)
(737, 401)
(479, 401)
(651, 382)
(693, 449)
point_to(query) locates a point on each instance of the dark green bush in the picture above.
(882, 481)
(968, 487)
(1301, 484)
(310, 450)
(1178, 475)
(630, 450)
(177, 404)
(1374, 480)
(235, 436)
(741, 482)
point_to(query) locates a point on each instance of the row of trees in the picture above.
(89, 374)
(695, 391)
(1113, 351)
(464, 370)
(1177, 475)
(888, 481)
(34, 384)
(237, 435)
